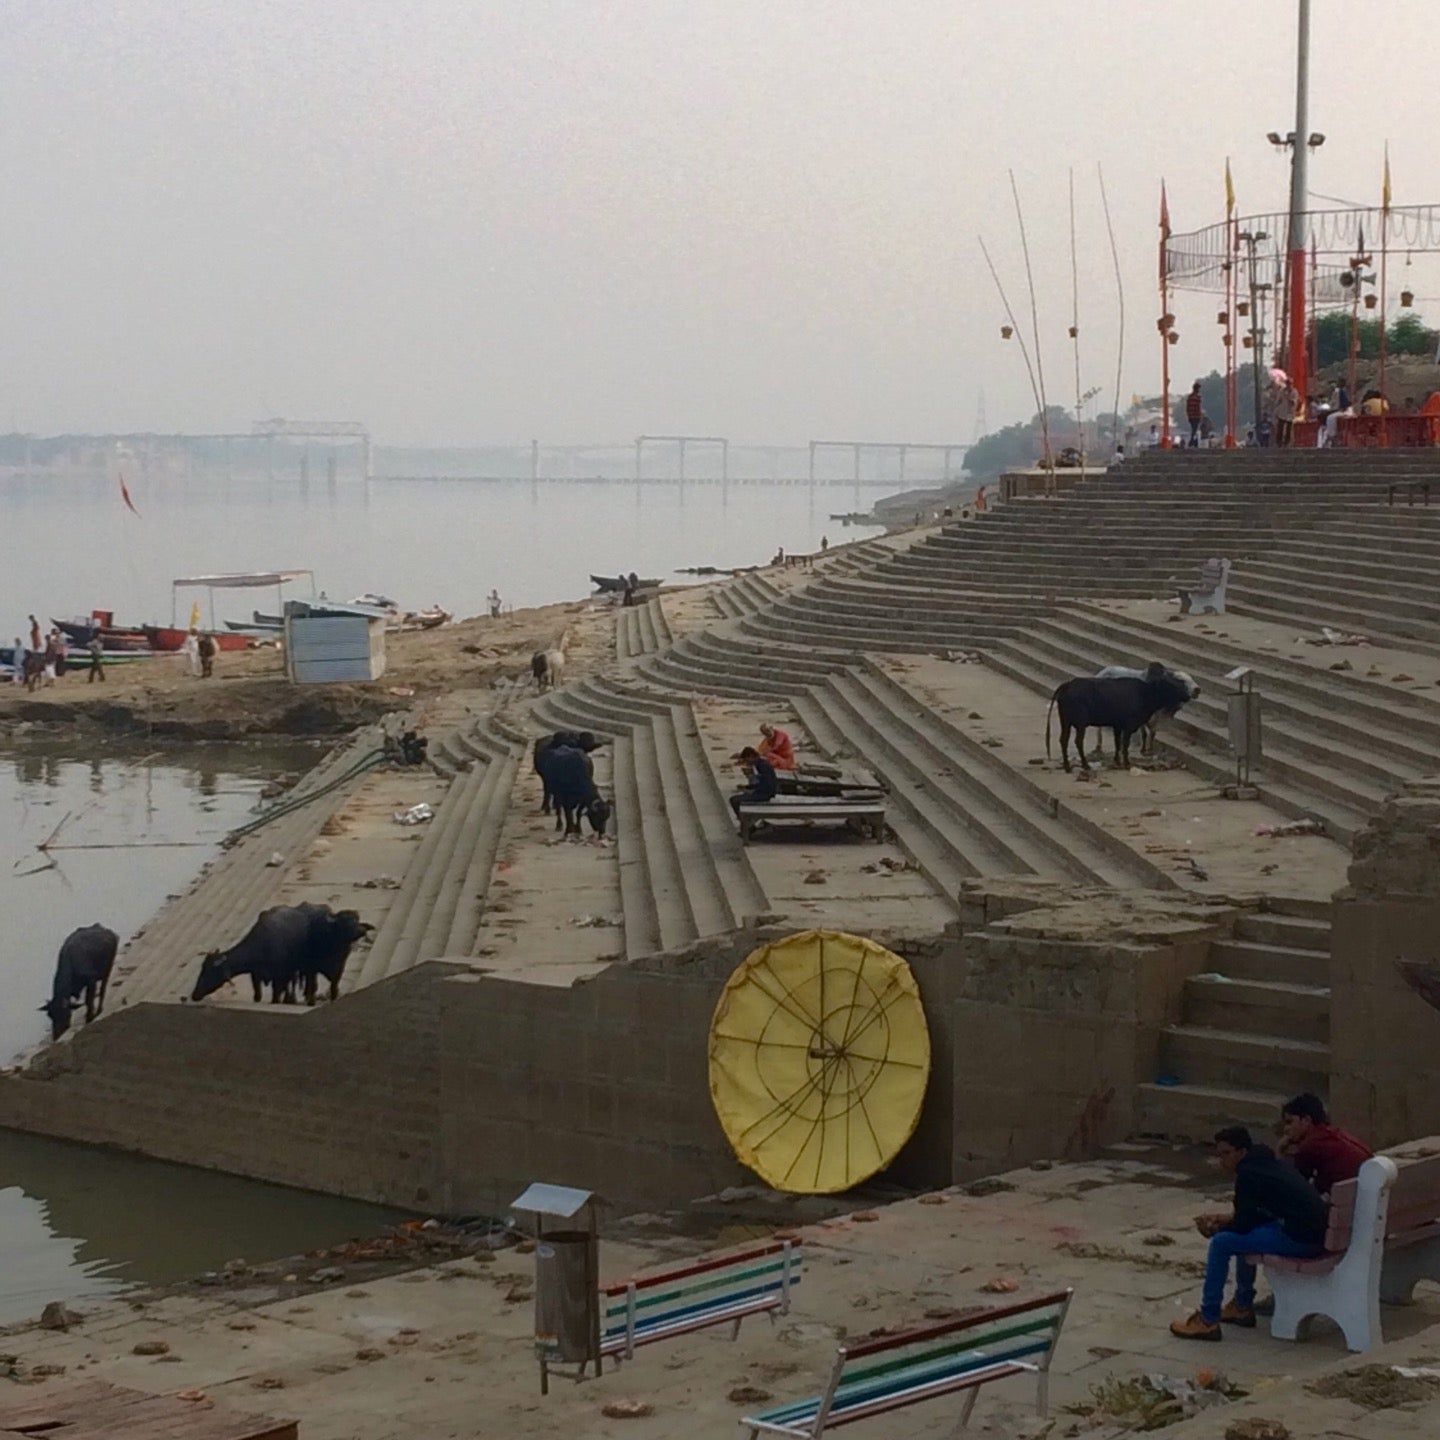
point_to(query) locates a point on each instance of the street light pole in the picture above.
(1298, 240)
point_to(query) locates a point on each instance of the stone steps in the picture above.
(683, 872)
(223, 902)
(1240, 1060)
(437, 910)
(641, 629)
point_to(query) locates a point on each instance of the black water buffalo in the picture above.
(287, 947)
(1126, 672)
(83, 967)
(1121, 705)
(269, 953)
(333, 934)
(569, 776)
(561, 739)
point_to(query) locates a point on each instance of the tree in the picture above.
(1212, 402)
(1019, 446)
(1409, 335)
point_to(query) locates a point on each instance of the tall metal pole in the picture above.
(1299, 239)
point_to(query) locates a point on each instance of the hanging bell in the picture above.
(1223, 318)
(1243, 307)
(1074, 331)
(1173, 337)
(1407, 298)
(1226, 338)
(1371, 301)
(1006, 331)
(1248, 341)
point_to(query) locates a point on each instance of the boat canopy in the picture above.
(248, 580)
(241, 580)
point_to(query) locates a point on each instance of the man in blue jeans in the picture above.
(1276, 1212)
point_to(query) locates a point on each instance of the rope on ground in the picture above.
(367, 761)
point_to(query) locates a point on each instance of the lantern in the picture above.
(1243, 307)
(1223, 318)
(1407, 298)
(1248, 341)
(1226, 338)
(1006, 331)
(1173, 337)
(1074, 331)
(1371, 301)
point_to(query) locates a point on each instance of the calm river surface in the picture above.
(420, 541)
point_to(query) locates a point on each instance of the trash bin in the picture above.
(563, 1303)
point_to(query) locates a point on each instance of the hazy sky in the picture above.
(583, 219)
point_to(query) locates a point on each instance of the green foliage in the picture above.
(1212, 398)
(1019, 446)
(1409, 335)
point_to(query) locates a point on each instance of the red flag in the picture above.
(125, 496)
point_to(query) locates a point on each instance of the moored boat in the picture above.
(100, 622)
(613, 584)
(168, 638)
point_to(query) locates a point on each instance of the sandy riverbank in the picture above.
(250, 698)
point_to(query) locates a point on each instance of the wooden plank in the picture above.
(95, 1410)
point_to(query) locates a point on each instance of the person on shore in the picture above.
(1374, 404)
(761, 785)
(777, 747)
(62, 652)
(52, 658)
(191, 650)
(494, 602)
(1287, 408)
(1275, 1212)
(97, 660)
(1194, 414)
(981, 500)
(207, 648)
(17, 661)
(824, 543)
(34, 634)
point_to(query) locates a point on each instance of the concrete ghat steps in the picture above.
(1300, 775)
(223, 903)
(986, 790)
(695, 874)
(502, 767)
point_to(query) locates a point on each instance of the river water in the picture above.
(420, 541)
(129, 828)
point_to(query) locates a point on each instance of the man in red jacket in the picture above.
(1194, 413)
(1323, 1153)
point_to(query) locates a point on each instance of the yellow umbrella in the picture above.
(818, 1060)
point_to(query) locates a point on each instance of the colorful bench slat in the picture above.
(680, 1299)
(926, 1364)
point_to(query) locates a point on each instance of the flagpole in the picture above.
(1231, 225)
(1298, 242)
(1164, 320)
(1384, 269)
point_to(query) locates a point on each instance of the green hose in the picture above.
(287, 807)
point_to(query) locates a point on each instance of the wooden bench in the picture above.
(1409, 489)
(1207, 597)
(890, 1373)
(664, 1303)
(867, 812)
(1383, 1237)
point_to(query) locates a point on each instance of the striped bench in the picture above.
(1383, 1236)
(665, 1303)
(899, 1370)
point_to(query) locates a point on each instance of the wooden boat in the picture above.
(166, 639)
(424, 619)
(112, 637)
(613, 584)
(77, 657)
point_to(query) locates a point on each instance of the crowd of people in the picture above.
(45, 658)
(1280, 1206)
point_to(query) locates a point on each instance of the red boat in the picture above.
(101, 623)
(167, 639)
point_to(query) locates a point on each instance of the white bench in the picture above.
(1383, 1236)
(680, 1298)
(1208, 595)
(889, 1373)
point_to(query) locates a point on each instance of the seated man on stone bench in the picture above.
(1276, 1212)
(762, 785)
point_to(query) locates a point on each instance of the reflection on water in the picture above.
(77, 1222)
(421, 541)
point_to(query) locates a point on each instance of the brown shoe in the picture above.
(1265, 1306)
(1195, 1327)
(1233, 1314)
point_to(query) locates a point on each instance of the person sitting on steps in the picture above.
(1275, 1212)
(777, 747)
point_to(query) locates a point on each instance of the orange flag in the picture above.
(125, 496)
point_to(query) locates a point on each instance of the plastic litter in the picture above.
(415, 815)
(1291, 827)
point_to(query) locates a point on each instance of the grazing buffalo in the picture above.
(569, 776)
(1126, 672)
(288, 946)
(561, 739)
(83, 966)
(1121, 706)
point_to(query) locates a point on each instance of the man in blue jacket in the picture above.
(1276, 1212)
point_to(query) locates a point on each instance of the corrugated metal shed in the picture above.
(329, 649)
